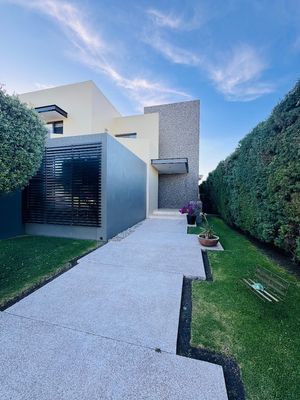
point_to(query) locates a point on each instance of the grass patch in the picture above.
(227, 317)
(27, 261)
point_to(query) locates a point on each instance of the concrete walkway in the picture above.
(92, 332)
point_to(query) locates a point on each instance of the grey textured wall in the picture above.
(125, 188)
(11, 215)
(178, 137)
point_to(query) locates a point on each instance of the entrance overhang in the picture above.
(171, 165)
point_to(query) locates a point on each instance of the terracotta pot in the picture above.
(208, 242)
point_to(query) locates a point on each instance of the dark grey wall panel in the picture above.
(125, 188)
(178, 137)
(11, 215)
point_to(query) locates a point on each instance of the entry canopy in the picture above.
(171, 165)
(51, 113)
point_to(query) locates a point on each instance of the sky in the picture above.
(238, 57)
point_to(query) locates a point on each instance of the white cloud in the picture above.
(173, 53)
(238, 75)
(195, 15)
(69, 17)
(165, 20)
(143, 91)
(93, 51)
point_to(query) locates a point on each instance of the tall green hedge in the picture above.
(257, 187)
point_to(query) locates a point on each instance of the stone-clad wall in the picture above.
(178, 137)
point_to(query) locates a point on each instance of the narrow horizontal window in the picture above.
(127, 135)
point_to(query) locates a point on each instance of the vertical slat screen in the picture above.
(67, 188)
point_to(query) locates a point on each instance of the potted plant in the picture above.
(190, 211)
(207, 237)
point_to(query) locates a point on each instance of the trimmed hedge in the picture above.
(22, 137)
(257, 187)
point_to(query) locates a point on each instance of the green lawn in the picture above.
(227, 317)
(28, 260)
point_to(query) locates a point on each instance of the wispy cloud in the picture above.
(238, 75)
(70, 19)
(173, 21)
(93, 51)
(165, 20)
(143, 91)
(175, 54)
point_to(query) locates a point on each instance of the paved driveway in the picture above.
(92, 332)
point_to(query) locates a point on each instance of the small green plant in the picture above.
(207, 231)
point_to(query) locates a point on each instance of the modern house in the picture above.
(101, 168)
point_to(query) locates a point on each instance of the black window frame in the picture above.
(131, 135)
(55, 130)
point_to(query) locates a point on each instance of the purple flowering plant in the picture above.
(189, 209)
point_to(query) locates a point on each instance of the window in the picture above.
(55, 127)
(127, 135)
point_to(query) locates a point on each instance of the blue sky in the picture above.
(238, 57)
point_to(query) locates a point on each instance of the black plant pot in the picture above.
(191, 219)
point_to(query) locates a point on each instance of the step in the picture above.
(166, 213)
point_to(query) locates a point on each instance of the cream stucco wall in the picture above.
(88, 109)
(102, 111)
(144, 146)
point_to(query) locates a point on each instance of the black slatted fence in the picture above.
(67, 188)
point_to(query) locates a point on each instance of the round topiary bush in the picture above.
(22, 137)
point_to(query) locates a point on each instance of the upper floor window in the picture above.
(127, 135)
(56, 127)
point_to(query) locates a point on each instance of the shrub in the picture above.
(22, 136)
(257, 187)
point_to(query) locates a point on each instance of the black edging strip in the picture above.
(231, 370)
(44, 281)
(208, 271)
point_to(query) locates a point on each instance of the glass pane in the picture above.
(58, 127)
